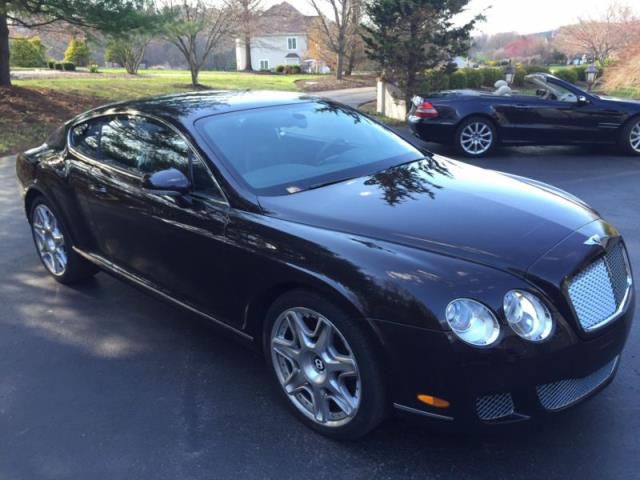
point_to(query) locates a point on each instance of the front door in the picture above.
(176, 244)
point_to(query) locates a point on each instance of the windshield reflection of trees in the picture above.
(409, 181)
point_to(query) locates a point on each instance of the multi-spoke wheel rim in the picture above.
(49, 240)
(634, 138)
(316, 367)
(476, 138)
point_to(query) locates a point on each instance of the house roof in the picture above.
(283, 18)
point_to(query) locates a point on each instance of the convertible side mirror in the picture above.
(170, 180)
(582, 100)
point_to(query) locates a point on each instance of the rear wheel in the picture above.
(630, 137)
(324, 365)
(53, 245)
(475, 137)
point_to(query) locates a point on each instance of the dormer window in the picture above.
(292, 43)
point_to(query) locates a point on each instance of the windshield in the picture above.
(290, 148)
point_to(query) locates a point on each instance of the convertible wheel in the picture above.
(325, 366)
(475, 137)
(54, 246)
(630, 138)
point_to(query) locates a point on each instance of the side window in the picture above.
(143, 146)
(85, 138)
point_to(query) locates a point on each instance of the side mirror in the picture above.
(582, 100)
(167, 181)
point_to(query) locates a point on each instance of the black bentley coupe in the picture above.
(548, 111)
(372, 275)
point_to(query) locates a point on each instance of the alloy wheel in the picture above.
(476, 138)
(49, 240)
(316, 367)
(634, 138)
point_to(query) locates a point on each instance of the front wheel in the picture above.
(475, 137)
(630, 137)
(325, 366)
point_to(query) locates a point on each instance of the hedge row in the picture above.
(288, 69)
(66, 66)
(476, 78)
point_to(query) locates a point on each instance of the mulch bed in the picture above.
(26, 112)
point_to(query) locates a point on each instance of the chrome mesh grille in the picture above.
(561, 394)
(492, 407)
(598, 292)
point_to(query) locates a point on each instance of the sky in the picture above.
(522, 16)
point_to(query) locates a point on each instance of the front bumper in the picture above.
(504, 384)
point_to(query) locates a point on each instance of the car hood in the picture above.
(444, 206)
(627, 101)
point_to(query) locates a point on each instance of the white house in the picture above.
(281, 38)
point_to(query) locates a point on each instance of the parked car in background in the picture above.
(371, 275)
(548, 111)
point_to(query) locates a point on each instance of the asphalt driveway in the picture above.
(105, 382)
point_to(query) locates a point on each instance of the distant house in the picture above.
(281, 38)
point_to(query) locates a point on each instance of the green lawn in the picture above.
(114, 84)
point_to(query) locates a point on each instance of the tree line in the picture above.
(404, 38)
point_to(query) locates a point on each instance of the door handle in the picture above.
(96, 188)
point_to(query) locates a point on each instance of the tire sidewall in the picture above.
(625, 137)
(465, 123)
(373, 401)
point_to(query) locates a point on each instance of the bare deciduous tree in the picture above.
(196, 28)
(247, 12)
(602, 37)
(338, 29)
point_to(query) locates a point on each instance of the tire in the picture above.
(475, 137)
(337, 367)
(53, 244)
(629, 141)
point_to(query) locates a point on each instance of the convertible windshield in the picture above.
(286, 149)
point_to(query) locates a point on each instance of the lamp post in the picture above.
(508, 74)
(591, 73)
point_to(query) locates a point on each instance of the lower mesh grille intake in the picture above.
(558, 395)
(492, 407)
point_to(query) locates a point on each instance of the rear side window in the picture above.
(86, 137)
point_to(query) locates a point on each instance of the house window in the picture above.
(264, 64)
(292, 43)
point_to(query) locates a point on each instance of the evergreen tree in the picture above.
(407, 37)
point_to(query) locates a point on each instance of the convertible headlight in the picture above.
(527, 315)
(472, 322)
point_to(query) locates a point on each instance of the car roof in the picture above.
(187, 107)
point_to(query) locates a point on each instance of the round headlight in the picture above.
(472, 322)
(527, 315)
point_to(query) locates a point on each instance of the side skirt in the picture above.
(136, 280)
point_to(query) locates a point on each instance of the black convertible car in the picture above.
(371, 275)
(555, 112)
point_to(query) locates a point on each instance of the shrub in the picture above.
(77, 52)
(51, 64)
(68, 66)
(474, 77)
(568, 74)
(433, 81)
(458, 80)
(490, 75)
(93, 68)
(27, 52)
(280, 69)
(58, 66)
(534, 68)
